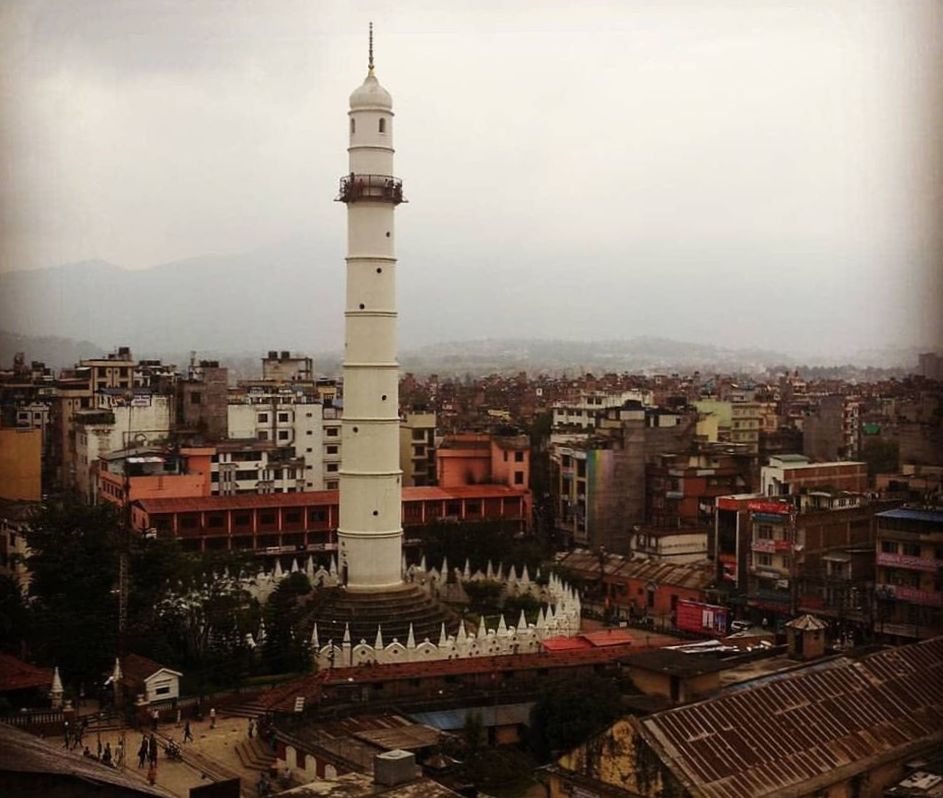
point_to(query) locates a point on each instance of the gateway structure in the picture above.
(370, 533)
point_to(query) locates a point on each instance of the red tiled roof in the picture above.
(318, 498)
(18, 675)
(557, 644)
(282, 699)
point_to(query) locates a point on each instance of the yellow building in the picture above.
(21, 463)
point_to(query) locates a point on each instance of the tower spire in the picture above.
(370, 62)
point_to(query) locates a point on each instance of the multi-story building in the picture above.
(806, 553)
(581, 414)
(791, 474)
(908, 587)
(282, 367)
(598, 485)
(670, 544)
(120, 421)
(154, 473)
(256, 466)
(417, 448)
(302, 523)
(14, 519)
(288, 418)
(745, 420)
(203, 401)
(681, 488)
(471, 458)
(832, 431)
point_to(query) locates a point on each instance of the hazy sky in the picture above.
(741, 172)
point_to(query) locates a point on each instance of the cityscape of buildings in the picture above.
(651, 585)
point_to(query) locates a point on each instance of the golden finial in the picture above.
(370, 64)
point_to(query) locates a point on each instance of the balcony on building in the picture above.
(370, 188)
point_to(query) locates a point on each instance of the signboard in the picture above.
(729, 567)
(728, 503)
(141, 400)
(911, 594)
(908, 561)
(770, 546)
(701, 618)
(775, 508)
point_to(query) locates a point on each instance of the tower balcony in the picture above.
(371, 188)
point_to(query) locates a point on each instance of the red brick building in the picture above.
(287, 523)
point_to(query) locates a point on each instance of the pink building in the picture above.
(470, 458)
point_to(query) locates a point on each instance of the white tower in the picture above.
(370, 533)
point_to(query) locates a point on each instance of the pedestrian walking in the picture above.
(212, 717)
(251, 727)
(187, 734)
(65, 734)
(106, 754)
(152, 750)
(177, 724)
(119, 753)
(155, 717)
(142, 752)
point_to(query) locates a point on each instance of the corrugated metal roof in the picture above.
(801, 728)
(904, 513)
(502, 715)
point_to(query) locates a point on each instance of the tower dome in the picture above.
(371, 95)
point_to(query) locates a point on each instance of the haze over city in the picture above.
(760, 175)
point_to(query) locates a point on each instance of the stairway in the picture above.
(254, 754)
(250, 708)
(335, 608)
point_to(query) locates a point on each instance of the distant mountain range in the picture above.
(291, 296)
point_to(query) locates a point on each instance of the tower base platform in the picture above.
(335, 608)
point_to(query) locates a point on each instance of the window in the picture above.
(518, 457)
(242, 519)
(382, 125)
(283, 416)
(283, 434)
(331, 467)
(764, 532)
(246, 474)
(163, 689)
(216, 521)
(262, 435)
(293, 516)
(518, 477)
(353, 125)
(419, 435)
(332, 485)
(889, 546)
(309, 449)
(317, 515)
(764, 559)
(331, 432)
(267, 517)
(912, 549)
(332, 450)
(263, 418)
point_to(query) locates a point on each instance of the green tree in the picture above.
(285, 648)
(74, 565)
(570, 710)
(14, 617)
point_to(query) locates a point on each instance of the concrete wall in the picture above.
(21, 464)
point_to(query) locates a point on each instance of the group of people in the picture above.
(73, 733)
(105, 755)
(147, 751)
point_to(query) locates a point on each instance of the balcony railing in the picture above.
(371, 188)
